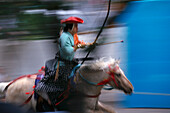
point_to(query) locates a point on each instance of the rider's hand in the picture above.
(81, 45)
(75, 47)
(89, 44)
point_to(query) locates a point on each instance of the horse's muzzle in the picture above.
(128, 91)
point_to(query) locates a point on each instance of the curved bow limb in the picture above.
(101, 29)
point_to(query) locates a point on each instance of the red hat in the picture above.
(72, 20)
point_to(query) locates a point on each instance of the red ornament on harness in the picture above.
(72, 20)
(112, 76)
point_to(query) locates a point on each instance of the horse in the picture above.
(89, 81)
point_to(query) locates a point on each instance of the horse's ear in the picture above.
(118, 60)
(110, 58)
(100, 59)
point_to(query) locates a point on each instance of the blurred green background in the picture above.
(27, 19)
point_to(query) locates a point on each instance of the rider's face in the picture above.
(75, 28)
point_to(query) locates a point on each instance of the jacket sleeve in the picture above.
(66, 45)
(77, 41)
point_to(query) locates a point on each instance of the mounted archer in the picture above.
(55, 81)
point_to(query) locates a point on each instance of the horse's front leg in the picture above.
(106, 108)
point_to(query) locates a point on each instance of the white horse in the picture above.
(90, 79)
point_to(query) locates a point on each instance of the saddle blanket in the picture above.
(38, 78)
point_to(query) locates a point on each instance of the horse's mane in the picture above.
(100, 64)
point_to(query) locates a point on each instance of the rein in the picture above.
(92, 96)
(95, 84)
(89, 82)
(104, 82)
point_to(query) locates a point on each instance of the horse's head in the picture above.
(118, 80)
(105, 72)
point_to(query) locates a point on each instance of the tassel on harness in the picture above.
(56, 75)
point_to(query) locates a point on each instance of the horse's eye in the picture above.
(118, 75)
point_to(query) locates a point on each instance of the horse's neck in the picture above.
(88, 89)
(84, 86)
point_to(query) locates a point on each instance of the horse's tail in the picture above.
(3, 85)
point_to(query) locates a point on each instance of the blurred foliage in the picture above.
(16, 24)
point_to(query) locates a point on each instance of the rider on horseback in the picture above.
(55, 81)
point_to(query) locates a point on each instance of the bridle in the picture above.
(103, 82)
(112, 73)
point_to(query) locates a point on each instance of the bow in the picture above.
(101, 29)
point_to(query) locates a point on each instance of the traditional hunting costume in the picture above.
(55, 81)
